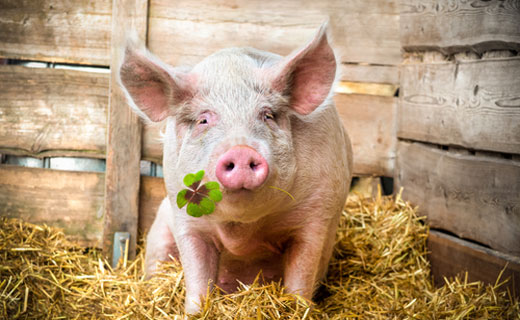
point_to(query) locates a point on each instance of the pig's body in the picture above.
(278, 113)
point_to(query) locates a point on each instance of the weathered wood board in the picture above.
(369, 73)
(475, 197)
(184, 32)
(152, 143)
(450, 256)
(75, 31)
(69, 200)
(454, 26)
(78, 31)
(52, 112)
(124, 135)
(65, 115)
(474, 104)
(370, 123)
(152, 193)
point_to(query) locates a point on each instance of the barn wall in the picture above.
(61, 110)
(458, 149)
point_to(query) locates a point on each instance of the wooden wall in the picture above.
(53, 112)
(458, 153)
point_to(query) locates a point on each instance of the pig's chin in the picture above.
(241, 205)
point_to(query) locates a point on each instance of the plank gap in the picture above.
(31, 63)
(457, 149)
(449, 233)
(432, 56)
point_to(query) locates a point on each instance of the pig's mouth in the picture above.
(240, 192)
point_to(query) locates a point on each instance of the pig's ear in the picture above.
(307, 75)
(153, 89)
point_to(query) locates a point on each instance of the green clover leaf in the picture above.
(199, 198)
(181, 198)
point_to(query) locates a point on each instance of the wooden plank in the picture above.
(69, 200)
(51, 112)
(152, 147)
(124, 135)
(369, 73)
(475, 104)
(456, 26)
(475, 197)
(75, 31)
(370, 123)
(152, 193)
(451, 256)
(363, 31)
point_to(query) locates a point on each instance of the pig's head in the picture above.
(231, 116)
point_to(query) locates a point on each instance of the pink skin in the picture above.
(271, 117)
(242, 167)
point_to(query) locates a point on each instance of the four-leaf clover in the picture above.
(200, 198)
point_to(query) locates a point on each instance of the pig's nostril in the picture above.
(241, 167)
(230, 166)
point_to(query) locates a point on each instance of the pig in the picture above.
(266, 128)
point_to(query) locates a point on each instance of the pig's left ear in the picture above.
(307, 75)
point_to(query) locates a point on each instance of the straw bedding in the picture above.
(379, 271)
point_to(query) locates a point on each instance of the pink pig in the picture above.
(257, 123)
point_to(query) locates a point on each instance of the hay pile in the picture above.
(379, 271)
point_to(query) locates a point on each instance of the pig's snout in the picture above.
(241, 167)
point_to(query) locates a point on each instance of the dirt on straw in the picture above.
(379, 271)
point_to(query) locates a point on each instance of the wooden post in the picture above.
(124, 134)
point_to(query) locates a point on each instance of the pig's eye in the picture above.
(202, 121)
(268, 115)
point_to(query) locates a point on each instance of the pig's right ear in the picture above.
(307, 75)
(151, 86)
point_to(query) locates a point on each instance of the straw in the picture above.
(379, 271)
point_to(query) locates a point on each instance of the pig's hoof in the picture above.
(192, 308)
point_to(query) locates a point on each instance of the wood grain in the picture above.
(65, 115)
(51, 112)
(69, 200)
(462, 25)
(152, 193)
(473, 196)
(75, 31)
(124, 135)
(369, 73)
(370, 123)
(450, 256)
(183, 32)
(474, 104)
(79, 31)
(152, 146)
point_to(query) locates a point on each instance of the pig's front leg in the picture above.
(160, 244)
(199, 260)
(306, 259)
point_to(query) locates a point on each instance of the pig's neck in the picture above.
(243, 239)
